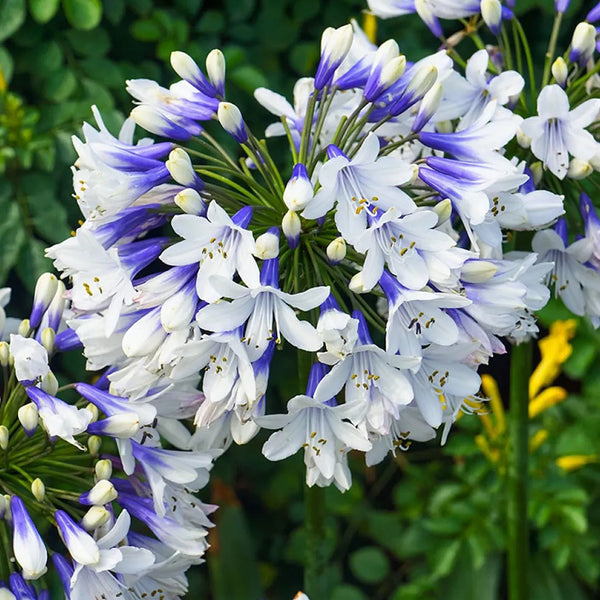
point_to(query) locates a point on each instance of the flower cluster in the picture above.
(382, 249)
(91, 466)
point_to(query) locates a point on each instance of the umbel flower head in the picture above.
(88, 465)
(375, 249)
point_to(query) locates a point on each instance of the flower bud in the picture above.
(95, 517)
(28, 547)
(560, 71)
(579, 169)
(185, 66)
(291, 226)
(103, 469)
(429, 104)
(4, 354)
(356, 284)
(491, 11)
(81, 545)
(47, 338)
(38, 489)
(121, 426)
(150, 119)
(478, 271)
(102, 493)
(94, 410)
(231, 120)
(24, 328)
(443, 210)
(6, 594)
(420, 83)
(336, 250)
(180, 167)
(537, 171)
(335, 44)
(594, 14)
(94, 443)
(45, 288)
(523, 140)
(267, 244)
(561, 5)
(28, 417)
(49, 383)
(190, 202)
(215, 67)
(299, 190)
(4, 435)
(583, 43)
(57, 307)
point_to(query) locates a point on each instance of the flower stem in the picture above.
(314, 560)
(551, 48)
(517, 472)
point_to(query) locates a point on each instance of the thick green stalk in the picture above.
(517, 472)
(314, 560)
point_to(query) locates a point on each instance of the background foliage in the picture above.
(427, 525)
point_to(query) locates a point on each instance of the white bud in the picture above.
(444, 127)
(299, 190)
(336, 250)
(266, 246)
(560, 71)
(335, 43)
(48, 337)
(523, 140)
(356, 284)
(45, 288)
(95, 517)
(491, 11)
(103, 469)
(4, 435)
(231, 120)
(422, 81)
(24, 328)
(49, 383)
(38, 489)
(94, 443)
(4, 354)
(28, 417)
(478, 271)
(579, 169)
(392, 71)
(429, 104)
(102, 493)
(122, 425)
(291, 226)
(57, 306)
(180, 167)
(94, 410)
(443, 210)
(190, 202)
(6, 594)
(583, 43)
(537, 170)
(215, 68)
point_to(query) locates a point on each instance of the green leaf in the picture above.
(83, 14)
(12, 16)
(12, 235)
(32, 263)
(104, 70)
(248, 78)
(146, 30)
(581, 359)
(6, 64)
(60, 85)
(575, 518)
(347, 592)
(444, 558)
(43, 10)
(114, 10)
(89, 43)
(369, 564)
(239, 10)
(212, 21)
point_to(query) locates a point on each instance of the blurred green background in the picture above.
(427, 525)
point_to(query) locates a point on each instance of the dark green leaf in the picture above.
(12, 16)
(32, 263)
(347, 592)
(370, 564)
(60, 85)
(239, 10)
(89, 43)
(146, 30)
(212, 21)
(12, 236)
(83, 14)
(114, 10)
(43, 10)
(6, 64)
(248, 78)
(104, 70)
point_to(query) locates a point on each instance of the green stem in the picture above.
(551, 48)
(314, 565)
(517, 472)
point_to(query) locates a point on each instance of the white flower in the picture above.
(559, 132)
(31, 359)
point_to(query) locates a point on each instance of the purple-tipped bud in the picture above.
(80, 544)
(185, 66)
(190, 202)
(215, 67)
(152, 120)
(122, 426)
(335, 44)
(231, 120)
(45, 288)
(67, 340)
(102, 493)
(491, 11)
(561, 5)
(583, 43)
(291, 227)
(267, 244)
(299, 190)
(333, 151)
(181, 169)
(428, 106)
(28, 547)
(594, 14)
(336, 250)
